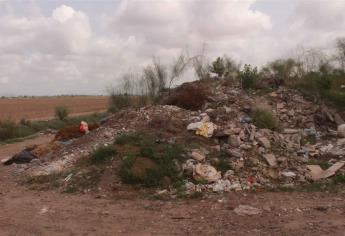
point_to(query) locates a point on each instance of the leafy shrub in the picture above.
(281, 72)
(218, 67)
(324, 85)
(265, 120)
(249, 76)
(103, 154)
(25, 122)
(61, 112)
(152, 163)
(8, 129)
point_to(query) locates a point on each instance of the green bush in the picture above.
(324, 85)
(264, 119)
(249, 76)
(156, 161)
(61, 112)
(8, 130)
(218, 67)
(103, 155)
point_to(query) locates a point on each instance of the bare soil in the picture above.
(43, 108)
(26, 212)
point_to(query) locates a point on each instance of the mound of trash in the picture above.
(238, 140)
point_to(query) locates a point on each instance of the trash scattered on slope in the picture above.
(205, 129)
(24, 156)
(84, 127)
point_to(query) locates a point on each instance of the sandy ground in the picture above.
(25, 212)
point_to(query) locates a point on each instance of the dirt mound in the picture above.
(190, 96)
(71, 132)
(248, 140)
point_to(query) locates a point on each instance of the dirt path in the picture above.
(30, 213)
(8, 150)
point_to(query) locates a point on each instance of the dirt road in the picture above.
(31, 213)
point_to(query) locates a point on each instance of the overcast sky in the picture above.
(79, 47)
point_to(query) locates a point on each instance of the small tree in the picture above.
(178, 67)
(231, 67)
(282, 70)
(218, 67)
(155, 77)
(249, 76)
(341, 52)
(61, 112)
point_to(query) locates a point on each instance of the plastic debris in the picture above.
(84, 127)
(288, 174)
(24, 156)
(205, 129)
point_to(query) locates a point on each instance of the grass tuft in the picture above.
(103, 155)
(265, 120)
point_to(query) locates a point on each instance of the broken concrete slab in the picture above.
(341, 131)
(271, 159)
(197, 155)
(204, 172)
(263, 141)
(318, 173)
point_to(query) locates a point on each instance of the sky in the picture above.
(51, 47)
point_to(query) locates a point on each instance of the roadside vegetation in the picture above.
(11, 131)
(318, 76)
(147, 163)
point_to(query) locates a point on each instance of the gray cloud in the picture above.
(67, 52)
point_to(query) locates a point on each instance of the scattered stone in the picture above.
(221, 186)
(233, 141)
(288, 174)
(235, 153)
(246, 147)
(264, 142)
(244, 210)
(341, 131)
(317, 173)
(291, 131)
(204, 172)
(271, 159)
(188, 167)
(197, 155)
(228, 174)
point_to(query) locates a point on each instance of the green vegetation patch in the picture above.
(103, 155)
(265, 120)
(149, 163)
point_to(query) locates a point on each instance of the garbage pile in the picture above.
(310, 137)
(261, 158)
